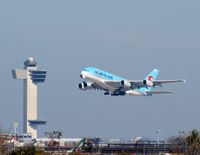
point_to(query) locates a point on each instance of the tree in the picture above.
(178, 143)
(193, 143)
(187, 143)
(54, 134)
(4, 147)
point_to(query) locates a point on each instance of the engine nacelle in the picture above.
(148, 83)
(125, 84)
(84, 86)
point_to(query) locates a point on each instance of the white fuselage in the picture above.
(101, 82)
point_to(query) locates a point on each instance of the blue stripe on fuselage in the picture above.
(103, 74)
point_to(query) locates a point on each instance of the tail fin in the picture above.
(152, 76)
(80, 145)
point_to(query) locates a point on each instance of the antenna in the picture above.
(15, 127)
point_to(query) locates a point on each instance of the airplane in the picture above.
(115, 85)
(79, 147)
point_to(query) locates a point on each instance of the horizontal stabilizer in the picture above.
(158, 92)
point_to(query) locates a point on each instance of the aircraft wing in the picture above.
(160, 82)
(155, 82)
(133, 84)
(97, 87)
(139, 83)
(114, 84)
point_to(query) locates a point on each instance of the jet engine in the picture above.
(84, 85)
(125, 84)
(148, 83)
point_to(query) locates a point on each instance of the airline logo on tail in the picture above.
(150, 78)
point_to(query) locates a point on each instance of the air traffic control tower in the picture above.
(31, 76)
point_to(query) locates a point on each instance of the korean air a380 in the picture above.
(110, 84)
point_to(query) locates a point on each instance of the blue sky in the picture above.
(128, 38)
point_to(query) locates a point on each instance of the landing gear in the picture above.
(85, 84)
(121, 93)
(107, 93)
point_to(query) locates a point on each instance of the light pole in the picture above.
(15, 127)
(157, 132)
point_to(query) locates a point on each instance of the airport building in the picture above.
(31, 76)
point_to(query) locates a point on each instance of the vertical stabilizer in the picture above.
(148, 81)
